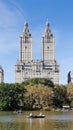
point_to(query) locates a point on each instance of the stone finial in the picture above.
(26, 30)
(47, 32)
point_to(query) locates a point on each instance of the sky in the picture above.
(14, 13)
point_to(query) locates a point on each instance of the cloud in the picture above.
(10, 20)
(10, 16)
(6, 16)
(9, 29)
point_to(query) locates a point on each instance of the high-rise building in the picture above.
(1, 75)
(25, 45)
(26, 67)
(70, 77)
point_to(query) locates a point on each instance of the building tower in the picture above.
(50, 65)
(25, 45)
(70, 76)
(46, 67)
(47, 45)
(1, 75)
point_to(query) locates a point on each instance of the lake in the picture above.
(52, 121)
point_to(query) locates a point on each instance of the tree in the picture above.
(38, 96)
(34, 81)
(10, 96)
(60, 96)
(70, 93)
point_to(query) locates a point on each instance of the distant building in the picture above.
(1, 75)
(26, 67)
(66, 108)
(70, 76)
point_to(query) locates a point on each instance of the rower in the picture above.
(30, 114)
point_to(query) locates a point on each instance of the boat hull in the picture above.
(37, 116)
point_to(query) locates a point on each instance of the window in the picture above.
(25, 47)
(26, 39)
(48, 47)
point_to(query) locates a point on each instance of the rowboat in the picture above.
(36, 116)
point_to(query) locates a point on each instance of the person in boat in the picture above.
(30, 114)
(40, 114)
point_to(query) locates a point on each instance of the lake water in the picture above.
(53, 121)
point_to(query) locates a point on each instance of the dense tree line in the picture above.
(11, 96)
(35, 94)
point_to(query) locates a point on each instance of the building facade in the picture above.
(70, 77)
(26, 67)
(1, 75)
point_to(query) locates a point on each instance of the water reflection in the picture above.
(34, 122)
(53, 121)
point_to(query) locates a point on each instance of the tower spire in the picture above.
(47, 29)
(26, 30)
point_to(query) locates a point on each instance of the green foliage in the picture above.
(60, 96)
(38, 96)
(35, 81)
(36, 93)
(28, 106)
(10, 96)
(70, 93)
(25, 83)
(70, 89)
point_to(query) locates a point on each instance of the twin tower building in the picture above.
(46, 67)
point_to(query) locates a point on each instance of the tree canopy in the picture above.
(36, 93)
